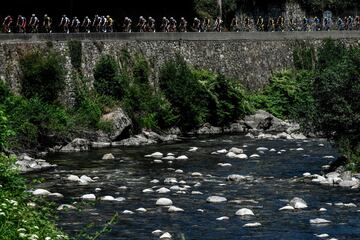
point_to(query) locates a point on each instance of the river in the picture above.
(277, 179)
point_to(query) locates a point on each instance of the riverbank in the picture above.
(261, 125)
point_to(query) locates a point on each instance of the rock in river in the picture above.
(216, 199)
(175, 209)
(166, 236)
(108, 156)
(88, 197)
(77, 145)
(298, 203)
(319, 221)
(255, 224)
(244, 212)
(41, 192)
(164, 202)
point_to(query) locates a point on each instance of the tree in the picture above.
(337, 96)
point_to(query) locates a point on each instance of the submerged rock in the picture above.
(163, 190)
(141, 210)
(286, 208)
(137, 140)
(244, 212)
(236, 150)
(170, 180)
(238, 178)
(111, 198)
(241, 156)
(175, 209)
(319, 221)
(298, 203)
(255, 224)
(41, 192)
(128, 212)
(73, 178)
(26, 164)
(182, 157)
(164, 202)
(108, 156)
(216, 199)
(157, 233)
(100, 144)
(208, 129)
(193, 149)
(88, 197)
(65, 206)
(166, 236)
(77, 145)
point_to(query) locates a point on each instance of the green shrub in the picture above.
(18, 220)
(5, 131)
(289, 95)
(35, 122)
(337, 89)
(105, 126)
(4, 91)
(107, 81)
(228, 101)
(187, 95)
(331, 52)
(141, 70)
(75, 50)
(90, 106)
(43, 76)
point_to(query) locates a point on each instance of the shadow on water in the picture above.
(276, 180)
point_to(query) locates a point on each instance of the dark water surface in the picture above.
(274, 183)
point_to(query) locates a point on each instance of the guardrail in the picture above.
(189, 36)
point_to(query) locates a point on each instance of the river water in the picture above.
(277, 179)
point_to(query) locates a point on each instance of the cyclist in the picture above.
(247, 24)
(7, 24)
(151, 25)
(305, 24)
(340, 24)
(64, 23)
(165, 25)
(141, 24)
(350, 23)
(218, 24)
(234, 26)
(47, 22)
(110, 24)
(103, 24)
(173, 23)
(127, 24)
(86, 24)
(75, 25)
(260, 24)
(97, 23)
(205, 24)
(357, 22)
(21, 24)
(183, 25)
(34, 24)
(196, 25)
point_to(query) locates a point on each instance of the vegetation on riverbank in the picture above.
(21, 216)
(323, 94)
